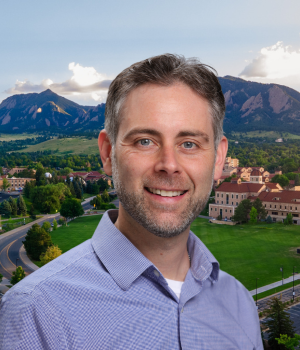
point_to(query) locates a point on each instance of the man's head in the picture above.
(163, 140)
(165, 70)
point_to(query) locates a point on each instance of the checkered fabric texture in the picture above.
(105, 294)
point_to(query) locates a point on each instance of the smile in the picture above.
(164, 193)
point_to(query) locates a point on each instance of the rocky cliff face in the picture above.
(255, 106)
(47, 110)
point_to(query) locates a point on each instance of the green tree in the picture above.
(281, 179)
(22, 209)
(17, 275)
(54, 225)
(47, 226)
(13, 205)
(242, 210)
(27, 188)
(37, 241)
(49, 198)
(289, 219)
(40, 176)
(297, 180)
(105, 196)
(5, 208)
(97, 202)
(261, 210)
(269, 220)
(77, 190)
(72, 190)
(278, 322)
(289, 342)
(5, 184)
(71, 208)
(50, 254)
(253, 216)
(1, 276)
(103, 185)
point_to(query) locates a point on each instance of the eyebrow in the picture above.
(154, 132)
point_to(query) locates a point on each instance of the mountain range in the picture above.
(249, 106)
(48, 111)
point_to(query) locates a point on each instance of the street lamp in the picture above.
(293, 282)
(17, 262)
(281, 269)
(256, 291)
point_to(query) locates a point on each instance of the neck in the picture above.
(169, 255)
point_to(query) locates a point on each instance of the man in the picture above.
(144, 281)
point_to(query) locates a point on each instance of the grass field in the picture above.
(244, 251)
(72, 145)
(267, 134)
(77, 231)
(13, 137)
(250, 251)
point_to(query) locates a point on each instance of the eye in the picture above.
(145, 142)
(189, 145)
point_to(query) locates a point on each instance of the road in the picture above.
(4, 196)
(11, 244)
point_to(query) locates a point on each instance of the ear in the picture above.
(220, 157)
(105, 149)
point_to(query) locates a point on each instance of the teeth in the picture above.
(164, 193)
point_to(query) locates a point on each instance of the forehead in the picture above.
(165, 108)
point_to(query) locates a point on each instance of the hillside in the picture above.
(254, 106)
(250, 106)
(72, 145)
(48, 111)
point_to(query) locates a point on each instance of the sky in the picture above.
(76, 48)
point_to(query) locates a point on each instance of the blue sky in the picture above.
(73, 45)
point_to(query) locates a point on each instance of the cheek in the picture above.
(132, 168)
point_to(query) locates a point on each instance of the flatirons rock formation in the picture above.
(256, 106)
(249, 106)
(48, 111)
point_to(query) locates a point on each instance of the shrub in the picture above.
(50, 254)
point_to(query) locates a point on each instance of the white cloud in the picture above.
(85, 83)
(278, 64)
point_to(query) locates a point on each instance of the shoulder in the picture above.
(63, 265)
(238, 302)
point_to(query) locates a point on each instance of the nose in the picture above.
(168, 161)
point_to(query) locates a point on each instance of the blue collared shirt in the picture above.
(105, 294)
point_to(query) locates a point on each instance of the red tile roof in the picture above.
(239, 188)
(282, 197)
(256, 172)
(272, 185)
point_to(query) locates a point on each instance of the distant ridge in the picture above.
(256, 106)
(249, 106)
(48, 111)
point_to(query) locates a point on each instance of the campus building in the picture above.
(229, 195)
(279, 204)
(15, 183)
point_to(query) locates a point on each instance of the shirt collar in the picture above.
(203, 264)
(126, 263)
(121, 258)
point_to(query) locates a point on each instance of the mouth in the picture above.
(164, 193)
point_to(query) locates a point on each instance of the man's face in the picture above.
(163, 160)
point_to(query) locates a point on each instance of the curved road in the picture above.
(11, 242)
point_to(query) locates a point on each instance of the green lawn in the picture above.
(247, 252)
(71, 145)
(244, 251)
(77, 231)
(13, 137)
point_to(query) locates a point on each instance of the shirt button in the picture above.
(156, 273)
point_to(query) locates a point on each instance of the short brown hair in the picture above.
(166, 70)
